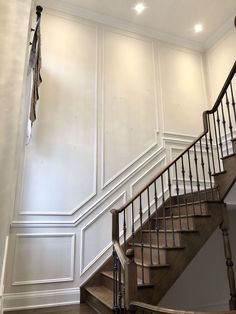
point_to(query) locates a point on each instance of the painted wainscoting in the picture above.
(115, 107)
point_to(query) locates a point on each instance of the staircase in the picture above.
(160, 230)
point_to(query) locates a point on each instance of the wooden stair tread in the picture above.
(161, 247)
(228, 156)
(139, 263)
(103, 294)
(171, 231)
(189, 203)
(218, 173)
(109, 274)
(183, 216)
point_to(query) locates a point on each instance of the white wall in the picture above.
(14, 20)
(219, 61)
(106, 123)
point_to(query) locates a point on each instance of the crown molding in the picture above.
(216, 36)
(68, 8)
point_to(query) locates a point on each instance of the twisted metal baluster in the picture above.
(171, 211)
(157, 228)
(149, 225)
(203, 169)
(185, 199)
(197, 175)
(177, 192)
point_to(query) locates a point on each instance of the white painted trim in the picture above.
(41, 299)
(127, 166)
(179, 136)
(146, 173)
(53, 213)
(3, 273)
(79, 219)
(95, 260)
(4, 266)
(169, 139)
(84, 268)
(49, 280)
(75, 10)
(105, 183)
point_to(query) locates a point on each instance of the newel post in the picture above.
(130, 279)
(228, 256)
(115, 225)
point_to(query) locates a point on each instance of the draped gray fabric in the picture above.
(35, 66)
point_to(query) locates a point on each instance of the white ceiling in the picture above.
(173, 17)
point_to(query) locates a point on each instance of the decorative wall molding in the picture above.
(3, 274)
(219, 34)
(94, 190)
(41, 299)
(98, 202)
(4, 266)
(169, 139)
(49, 280)
(125, 33)
(159, 161)
(84, 268)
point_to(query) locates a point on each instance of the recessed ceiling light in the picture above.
(139, 8)
(198, 28)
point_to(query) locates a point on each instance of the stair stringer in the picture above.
(226, 179)
(180, 259)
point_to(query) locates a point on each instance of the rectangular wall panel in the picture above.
(129, 108)
(183, 90)
(43, 258)
(62, 150)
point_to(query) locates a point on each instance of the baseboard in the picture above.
(39, 299)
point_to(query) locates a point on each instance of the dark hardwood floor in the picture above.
(72, 309)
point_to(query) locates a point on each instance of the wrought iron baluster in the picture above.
(203, 169)
(132, 228)
(217, 145)
(157, 227)
(164, 210)
(219, 132)
(229, 115)
(141, 233)
(120, 292)
(115, 281)
(177, 193)
(170, 204)
(191, 181)
(149, 224)
(209, 166)
(197, 175)
(184, 184)
(233, 100)
(224, 127)
(211, 144)
(124, 227)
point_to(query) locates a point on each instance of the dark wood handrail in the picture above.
(205, 125)
(149, 196)
(160, 310)
(226, 85)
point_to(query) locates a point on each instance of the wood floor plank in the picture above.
(71, 309)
